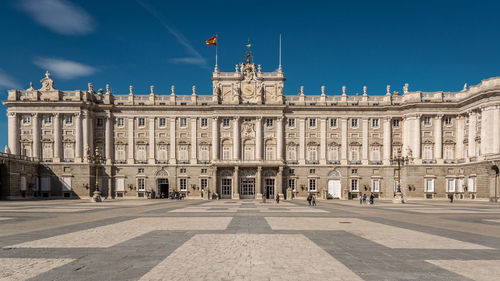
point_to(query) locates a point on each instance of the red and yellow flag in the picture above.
(212, 41)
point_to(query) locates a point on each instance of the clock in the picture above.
(248, 90)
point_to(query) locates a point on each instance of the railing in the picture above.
(375, 162)
(357, 162)
(120, 162)
(203, 161)
(312, 162)
(428, 161)
(333, 162)
(15, 156)
(183, 162)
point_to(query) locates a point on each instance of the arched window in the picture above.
(162, 152)
(292, 153)
(183, 152)
(427, 153)
(333, 153)
(375, 153)
(69, 151)
(141, 152)
(312, 153)
(204, 153)
(120, 153)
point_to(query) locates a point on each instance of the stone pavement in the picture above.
(248, 240)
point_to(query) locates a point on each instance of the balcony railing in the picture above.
(428, 161)
(312, 162)
(357, 162)
(333, 162)
(375, 162)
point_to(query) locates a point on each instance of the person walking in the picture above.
(372, 197)
(314, 200)
(364, 198)
(277, 198)
(360, 199)
(309, 198)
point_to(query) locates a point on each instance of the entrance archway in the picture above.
(162, 184)
(334, 188)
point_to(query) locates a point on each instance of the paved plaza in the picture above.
(248, 240)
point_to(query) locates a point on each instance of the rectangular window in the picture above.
(269, 153)
(47, 119)
(291, 184)
(203, 171)
(354, 171)
(312, 171)
(447, 121)
(354, 185)
(100, 122)
(375, 123)
(204, 153)
(225, 122)
(182, 170)
(291, 171)
(427, 120)
(333, 122)
(226, 153)
(312, 122)
(26, 119)
(183, 184)
(120, 122)
(376, 185)
(203, 184)
(313, 154)
(204, 122)
(471, 186)
(269, 122)
(141, 153)
(141, 184)
(66, 183)
(162, 152)
(292, 154)
(68, 119)
(183, 153)
(182, 122)
(450, 187)
(140, 171)
(291, 123)
(354, 123)
(429, 185)
(312, 184)
(120, 184)
(162, 122)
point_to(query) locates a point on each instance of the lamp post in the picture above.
(96, 158)
(400, 161)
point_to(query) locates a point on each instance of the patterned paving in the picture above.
(248, 240)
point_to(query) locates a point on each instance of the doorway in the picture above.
(247, 186)
(269, 188)
(163, 187)
(334, 189)
(226, 188)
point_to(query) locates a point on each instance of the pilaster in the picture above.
(387, 140)
(57, 137)
(173, 140)
(194, 139)
(36, 137)
(109, 138)
(343, 141)
(258, 138)
(279, 136)
(438, 138)
(364, 153)
(152, 140)
(215, 138)
(236, 138)
(13, 125)
(322, 152)
(131, 144)
(78, 140)
(302, 141)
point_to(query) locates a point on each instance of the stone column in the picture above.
(173, 140)
(78, 139)
(109, 138)
(91, 132)
(258, 139)
(279, 183)
(387, 140)
(57, 137)
(214, 184)
(236, 183)
(279, 136)
(438, 137)
(472, 134)
(416, 137)
(459, 149)
(152, 140)
(37, 153)
(322, 152)
(131, 144)
(496, 130)
(236, 138)
(343, 141)
(86, 130)
(364, 153)
(194, 140)
(215, 138)
(405, 123)
(13, 125)
(258, 183)
(302, 141)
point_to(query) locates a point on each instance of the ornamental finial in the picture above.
(194, 90)
(152, 89)
(131, 90)
(388, 88)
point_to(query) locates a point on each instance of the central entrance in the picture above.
(162, 188)
(269, 188)
(247, 188)
(227, 186)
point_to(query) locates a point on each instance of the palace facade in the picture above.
(249, 139)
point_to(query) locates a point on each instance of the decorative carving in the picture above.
(152, 89)
(405, 88)
(173, 90)
(248, 130)
(364, 91)
(194, 90)
(131, 90)
(108, 89)
(388, 88)
(344, 90)
(31, 88)
(47, 83)
(91, 88)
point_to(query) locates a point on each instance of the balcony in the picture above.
(450, 161)
(375, 162)
(204, 162)
(183, 162)
(292, 162)
(428, 161)
(357, 162)
(161, 161)
(312, 162)
(120, 161)
(141, 162)
(333, 162)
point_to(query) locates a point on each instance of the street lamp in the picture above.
(400, 161)
(96, 158)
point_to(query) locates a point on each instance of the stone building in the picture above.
(248, 139)
(18, 177)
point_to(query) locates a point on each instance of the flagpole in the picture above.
(279, 67)
(216, 46)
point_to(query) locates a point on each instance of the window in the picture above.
(120, 153)
(449, 152)
(447, 121)
(203, 171)
(204, 122)
(291, 171)
(140, 171)
(226, 153)
(395, 186)
(354, 171)
(427, 120)
(450, 187)
(203, 184)
(141, 153)
(375, 123)
(183, 153)
(120, 122)
(162, 152)
(66, 181)
(47, 151)
(354, 185)
(291, 123)
(429, 185)
(100, 122)
(333, 153)
(292, 153)
(269, 122)
(333, 122)
(427, 152)
(248, 153)
(47, 119)
(182, 122)
(312, 153)
(355, 154)
(291, 184)
(69, 152)
(26, 119)
(120, 184)
(182, 170)
(269, 153)
(312, 122)
(141, 186)
(376, 185)
(162, 122)
(312, 184)
(354, 123)
(395, 123)
(312, 171)
(460, 185)
(225, 122)
(471, 187)
(204, 153)
(68, 119)
(183, 184)
(375, 153)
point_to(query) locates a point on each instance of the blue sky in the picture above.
(432, 45)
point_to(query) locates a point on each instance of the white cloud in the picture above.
(181, 39)
(65, 69)
(7, 82)
(60, 16)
